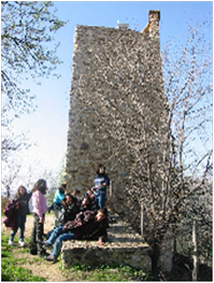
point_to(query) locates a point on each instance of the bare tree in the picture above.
(9, 176)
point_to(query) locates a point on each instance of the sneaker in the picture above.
(51, 258)
(21, 243)
(10, 243)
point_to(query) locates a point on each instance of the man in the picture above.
(88, 225)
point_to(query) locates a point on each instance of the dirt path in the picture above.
(42, 268)
(29, 225)
(119, 233)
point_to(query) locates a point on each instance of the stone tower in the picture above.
(111, 65)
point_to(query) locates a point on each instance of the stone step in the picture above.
(124, 246)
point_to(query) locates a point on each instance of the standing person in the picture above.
(57, 206)
(39, 210)
(22, 210)
(101, 181)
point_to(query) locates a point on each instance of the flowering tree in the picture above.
(26, 34)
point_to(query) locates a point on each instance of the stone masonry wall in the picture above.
(124, 246)
(110, 64)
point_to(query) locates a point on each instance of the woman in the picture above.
(22, 210)
(39, 210)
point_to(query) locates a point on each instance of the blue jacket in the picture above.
(58, 196)
(99, 179)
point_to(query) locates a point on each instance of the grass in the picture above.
(10, 271)
(106, 273)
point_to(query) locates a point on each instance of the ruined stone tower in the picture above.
(110, 68)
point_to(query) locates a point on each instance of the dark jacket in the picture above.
(99, 179)
(11, 214)
(24, 204)
(69, 213)
(90, 229)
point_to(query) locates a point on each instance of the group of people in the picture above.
(74, 218)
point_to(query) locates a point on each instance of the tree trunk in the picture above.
(155, 259)
(166, 255)
(174, 249)
(142, 221)
(8, 192)
(195, 252)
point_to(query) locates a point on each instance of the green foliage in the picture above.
(107, 273)
(27, 28)
(9, 269)
(27, 51)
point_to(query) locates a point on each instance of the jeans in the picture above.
(54, 234)
(96, 199)
(21, 219)
(49, 234)
(101, 199)
(58, 236)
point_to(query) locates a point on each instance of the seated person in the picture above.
(76, 194)
(69, 211)
(57, 206)
(92, 198)
(88, 225)
(85, 204)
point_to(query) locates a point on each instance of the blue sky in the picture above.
(49, 124)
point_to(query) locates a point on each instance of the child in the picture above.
(21, 211)
(57, 206)
(39, 210)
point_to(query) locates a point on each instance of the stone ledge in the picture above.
(87, 252)
(124, 246)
